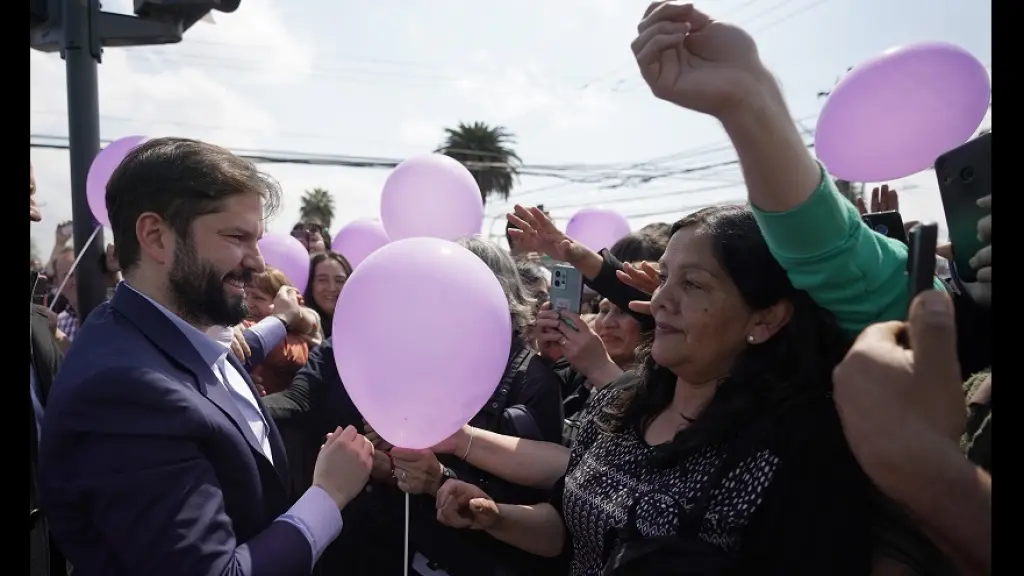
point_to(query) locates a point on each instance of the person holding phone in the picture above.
(903, 414)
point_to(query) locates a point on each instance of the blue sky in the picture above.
(383, 79)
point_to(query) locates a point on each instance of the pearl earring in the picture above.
(750, 338)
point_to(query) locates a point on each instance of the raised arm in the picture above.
(714, 68)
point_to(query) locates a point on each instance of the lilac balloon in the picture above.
(357, 240)
(422, 334)
(287, 254)
(431, 195)
(895, 114)
(597, 228)
(102, 168)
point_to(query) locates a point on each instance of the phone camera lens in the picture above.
(558, 273)
(882, 229)
(967, 174)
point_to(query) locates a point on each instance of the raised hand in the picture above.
(883, 199)
(535, 232)
(644, 277)
(892, 400)
(691, 60)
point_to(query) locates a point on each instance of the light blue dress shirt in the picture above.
(315, 514)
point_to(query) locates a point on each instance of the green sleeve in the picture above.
(828, 251)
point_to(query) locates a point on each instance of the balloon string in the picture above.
(406, 564)
(75, 264)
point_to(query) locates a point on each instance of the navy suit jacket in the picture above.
(147, 466)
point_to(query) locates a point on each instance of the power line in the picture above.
(790, 16)
(579, 173)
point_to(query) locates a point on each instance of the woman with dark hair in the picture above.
(731, 409)
(328, 272)
(588, 359)
(724, 454)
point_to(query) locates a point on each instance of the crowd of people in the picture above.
(753, 390)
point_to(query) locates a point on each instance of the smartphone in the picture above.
(887, 224)
(566, 290)
(965, 176)
(921, 259)
(40, 288)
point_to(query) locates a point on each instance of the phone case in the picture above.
(921, 258)
(965, 176)
(889, 224)
(566, 288)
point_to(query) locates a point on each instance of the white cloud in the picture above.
(139, 93)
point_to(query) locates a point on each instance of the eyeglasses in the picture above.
(308, 228)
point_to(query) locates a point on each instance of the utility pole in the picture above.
(80, 31)
(82, 52)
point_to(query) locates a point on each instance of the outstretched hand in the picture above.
(883, 199)
(645, 277)
(535, 232)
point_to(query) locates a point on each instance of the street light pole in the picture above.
(82, 51)
(80, 30)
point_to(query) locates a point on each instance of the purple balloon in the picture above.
(431, 195)
(895, 114)
(357, 240)
(102, 168)
(287, 254)
(597, 228)
(422, 334)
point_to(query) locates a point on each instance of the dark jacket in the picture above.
(148, 467)
(45, 357)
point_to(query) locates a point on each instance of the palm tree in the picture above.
(317, 204)
(487, 152)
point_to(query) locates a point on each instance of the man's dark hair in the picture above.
(179, 180)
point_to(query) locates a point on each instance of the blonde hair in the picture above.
(270, 281)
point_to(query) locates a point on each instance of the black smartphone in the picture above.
(921, 259)
(40, 287)
(965, 176)
(887, 224)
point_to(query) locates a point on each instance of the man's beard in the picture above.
(198, 289)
